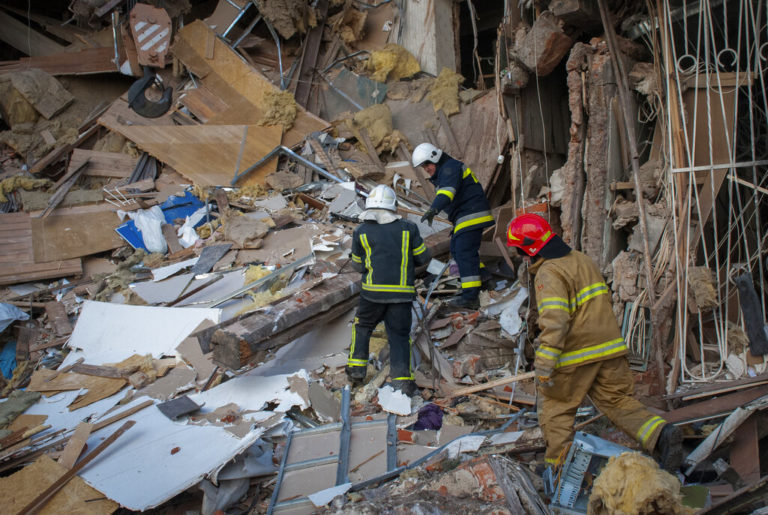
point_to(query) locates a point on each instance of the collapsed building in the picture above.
(179, 185)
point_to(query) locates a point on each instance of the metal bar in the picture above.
(391, 442)
(721, 166)
(342, 471)
(247, 31)
(299, 465)
(279, 52)
(243, 10)
(282, 150)
(396, 472)
(341, 93)
(263, 280)
(280, 474)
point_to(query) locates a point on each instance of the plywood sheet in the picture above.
(103, 164)
(207, 154)
(76, 496)
(73, 235)
(17, 263)
(234, 81)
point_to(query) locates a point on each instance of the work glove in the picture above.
(543, 376)
(428, 216)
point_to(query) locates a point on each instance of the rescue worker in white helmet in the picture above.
(581, 350)
(461, 196)
(386, 249)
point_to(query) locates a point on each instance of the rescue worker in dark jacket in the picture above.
(581, 350)
(386, 249)
(461, 196)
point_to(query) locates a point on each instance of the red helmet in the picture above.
(529, 232)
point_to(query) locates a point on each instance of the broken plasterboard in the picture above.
(182, 454)
(110, 333)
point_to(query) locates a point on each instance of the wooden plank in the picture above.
(235, 82)
(23, 267)
(203, 104)
(492, 384)
(715, 407)
(309, 56)
(25, 39)
(57, 316)
(169, 234)
(27, 337)
(103, 164)
(745, 451)
(97, 370)
(718, 388)
(84, 62)
(69, 236)
(207, 154)
(75, 445)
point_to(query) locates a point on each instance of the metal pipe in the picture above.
(279, 52)
(342, 470)
(341, 93)
(282, 150)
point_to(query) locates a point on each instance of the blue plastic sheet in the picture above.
(8, 359)
(174, 208)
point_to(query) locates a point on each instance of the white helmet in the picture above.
(426, 152)
(382, 197)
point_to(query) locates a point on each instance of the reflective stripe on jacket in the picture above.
(575, 313)
(387, 254)
(461, 196)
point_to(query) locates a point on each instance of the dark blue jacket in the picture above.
(460, 195)
(387, 254)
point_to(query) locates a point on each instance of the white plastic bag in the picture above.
(148, 221)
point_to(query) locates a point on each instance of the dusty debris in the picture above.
(350, 24)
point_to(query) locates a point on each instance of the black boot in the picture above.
(407, 386)
(670, 448)
(356, 375)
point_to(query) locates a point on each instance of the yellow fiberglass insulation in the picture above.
(633, 483)
(444, 93)
(393, 62)
(15, 182)
(281, 109)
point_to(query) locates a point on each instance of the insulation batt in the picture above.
(633, 483)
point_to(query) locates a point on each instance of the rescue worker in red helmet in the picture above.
(581, 350)
(460, 195)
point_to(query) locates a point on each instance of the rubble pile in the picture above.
(179, 186)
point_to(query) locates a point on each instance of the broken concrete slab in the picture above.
(544, 46)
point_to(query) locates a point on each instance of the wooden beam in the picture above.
(237, 344)
(25, 39)
(715, 407)
(84, 62)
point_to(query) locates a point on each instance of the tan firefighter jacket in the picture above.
(575, 313)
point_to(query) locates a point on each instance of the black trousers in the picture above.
(397, 322)
(465, 249)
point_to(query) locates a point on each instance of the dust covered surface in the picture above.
(287, 16)
(349, 24)
(702, 287)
